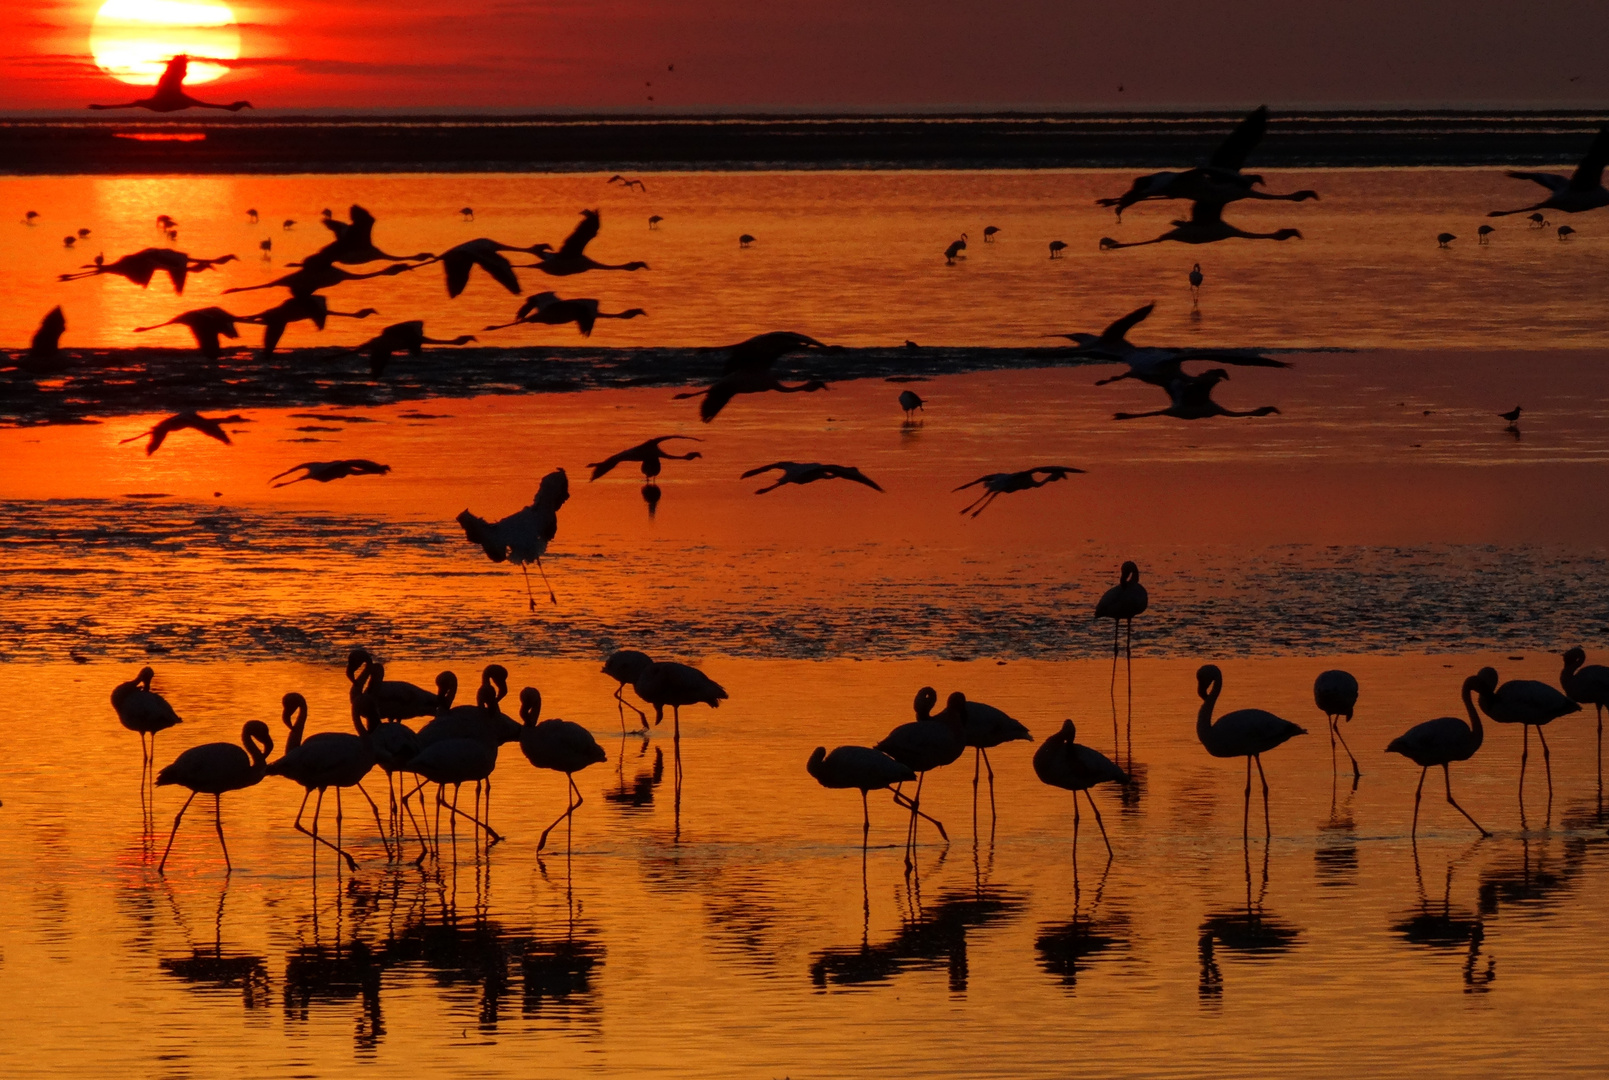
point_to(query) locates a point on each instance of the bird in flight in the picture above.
(649, 454)
(638, 184)
(571, 258)
(143, 265)
(1205, 226)
(1190, 398)
(1581, 190)
(207, 325)
(408, 337)
(998, 484)
(546, 308)
(523, 536)
(808, 472)
(325, 471)
(170, 95)
(212, 428)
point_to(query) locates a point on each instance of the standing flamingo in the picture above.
(1530, 704)
(661, 683)
(1247, 733)
(213, 769)
(623, 666)
(983, 727)
(558, 745)
(141, 709)
(328, 760)
(1061, 762)
(1122, 603)
(1440, 742)
(926, 743)
(1335, 692)
(858, 767)
(1587, 686)
(456, 762)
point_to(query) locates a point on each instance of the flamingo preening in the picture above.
(1247, 733)
(1442, 741)
(1123, 603)
(1062, 762)
(215, 769)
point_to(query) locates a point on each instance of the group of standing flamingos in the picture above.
(932, 741)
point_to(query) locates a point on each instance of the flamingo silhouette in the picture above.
(546, 308)
(354, 242)
(1062, 762)
(46, 343)
(744, 381)
(623, 666)
(662, 683)
(1581, 190)
(178, 422)
(143, 265)
(316, 275)
(170, 96)
(1204, 226)
(1190, 398)
(926, 743)
(459, 260)
(216, 769)
(571, 257)
(140, 709)
(649, 454)
(1335, 692)
(408, 337)
(325, 471)
(1247, 733)
(998, 484)
(861, 768)
(1123, 603)
(523, 536)
(558, 745)
(1587, 686)
(206, 325)
(1530, 704)
(982, 728)
(910, 401)
(309, 307)
(797, 472)
(1440, 742)
(329, 760)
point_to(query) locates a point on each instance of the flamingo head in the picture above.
(1208, 680)
(530, 705)
(1485, 680)
(496, 675)
(1129, 574)
(1287, 234)
(1574, 658)
(144, 677)
(926, 698)
(293, 705)
(356, 659)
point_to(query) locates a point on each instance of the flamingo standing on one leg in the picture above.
(1335, 692)
(213, 769)
(1061, 762)
(1122, 603)
(1247, 733)
(1530, 704)
(141, 709)
(1440, 742)
(558, 745)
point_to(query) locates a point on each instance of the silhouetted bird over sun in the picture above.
(170, 95)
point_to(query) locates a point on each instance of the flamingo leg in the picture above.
(477, 822)
(569, 809)
(620, 692)
(318, 807)
(1117, 746)
(1419, 791)
(1098, 821)
(217, 822)
(1356, 772)
(1448, 779)
(161, 866)
(977, 767)
(384, 839)
(1245, 814)
(865, 827)
(1333, 733)
(1075, 832)
(1547, 765)
(904, 800)
(910, 829)
(1525, 752)
(528, 594)
(1128, 662)
(1268, 828)
(990, 770)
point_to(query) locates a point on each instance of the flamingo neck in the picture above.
(1477, 732)
(817, 756)
(297, 726)
(1204, 717)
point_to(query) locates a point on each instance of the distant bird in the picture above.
(1484, 233)
(214, 769)
(141, 266)
(1565, 232)
(910, 402)
(408, 337)
(1113, 340)
(623, 666)
(745, 240)
(467, 213)
(209, 427)
(325, 471)
(858, 767)
(1512, 416)
(955, 249)
(83, 233)
(558, 745)
(46, 343)
(1581, 190)
(68, 241)
(30, 217)
(649, 454)
(924, 744)
(797, 472)
(653, 221)
(329, 759)
(1196, 278)
(571, 257)
(1247, 733)
(206, 325)
(1528, 703)
(989, 232)
(1062, 762)
(310, 307)
(164, 223)
(548, 309)
(288, 224)
(460, 259)
(266, 246)
(744, 381)
(1190, 398)
(1537, 221)
(1335, 692)
(998, 484)
(1440, 742)
(1123, 603)
(523, 537)
(170, 96)
(140, 709)
(1057, 247)
(629, 184)
(1443, 239)
(1205, 226)
(1586, 686)
(251, 217)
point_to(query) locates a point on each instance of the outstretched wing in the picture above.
(535, 302)
(365, 467)
(1055, 472)
(485, 533)
(849, 472)
(604, 467)
(1589, 174)
(1551, 181)
(1119, 329)
(1234, 151)
(308, 465)
(581, 236)
(1206, 213)
(975, 483)
(782, 465)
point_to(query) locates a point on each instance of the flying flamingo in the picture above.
(1190, 398)
(998, 484)
(523, 537)
(858, 767)
(762, 351)
(1122, 603)
(558, 745)
(206, 325)
(1586, 686)
(329, 760)
(408, 337)
(808, 472)
(354, 242)
(146, 263)
(547, 309)
(1335, 692)
(325, 471)
(649, 454)
(213, 769)
(306, 307)
(1247, 733)
(1061, 762)
(744, 381)
(170, 96)
(316, 275)
(1204, 226)
(178, 422)
(141, 709)
(1581, 190)
(1530, 704)
(1440, 742)
(571, 257)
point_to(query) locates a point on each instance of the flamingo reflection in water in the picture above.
(1443, 928)
(1253, 933)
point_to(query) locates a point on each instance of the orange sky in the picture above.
(865, 53)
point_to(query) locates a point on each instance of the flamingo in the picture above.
(955, 249)
(858, 767)
(662, 683)
(797, 472)
(558, 745)
(744, 381)
(926, 743)
(1190, 398)
(1204, 226)
(169, 95)
(1247, 733)
(329, 760)
(206, 325)
(910, 402)
(1164, 367)
(354, 242)
(408, 337)
(523, 536)
(325, 471)
(547, 309)
(394, 742)
(459, 260)
(762, 351)
(1122, 603)
(1443, 239)
(484, 721)
(983, 727)
(316, 275)
(456, 762)
(1062, 762)
(142, 710)
(251, 217)
(623, 666)
(212, 428)
(648, 454)
(306, 307)
(1440, 742)
(467, 213)
(571, 257)
(998, 484)
(1585, 685)
(146, 263)
(1335, 692)
(393, 699)
(654, 220)
(745, 240)
(46, 342)
(214, 769)
(1530, 704)
(1581, 190)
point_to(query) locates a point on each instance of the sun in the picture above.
(134, 39)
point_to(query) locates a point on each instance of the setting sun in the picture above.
(133, 39)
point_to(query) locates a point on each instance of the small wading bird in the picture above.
(1062, 762)
(329, 759)
(1512, 416)
(548, 310)
(1247, 733)
(251, 217)
(170, 95)
(1335, 692)
(1123, 603)
(558, 745)
(860, 768)
(648, 454)
(654, 220)
(325, 471)
(408, 337)
(467, 213)
(523, 536)
(1057, 247)
(1196, 278)
(808, 472)
(1528, 703)
(206, 325)
(46, 343)
(1190, 398)
(954, 251)
(141, 709)
(1566, 231)
(214, 769)
(266, 246)
(910, 402)
(1443, 239)
(1538, 221)
(989, 233)
(1484, 234)
(745, 240)
(141, 266)
(998, 484)
(1581, 190)
(1205, 226)
(208, 426)
(571, 258)
(1440, 742)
